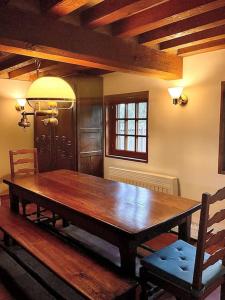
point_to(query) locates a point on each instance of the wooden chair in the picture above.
(186, 271)
(27, 157)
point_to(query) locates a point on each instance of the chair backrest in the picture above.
(207, 237)
(23, 157)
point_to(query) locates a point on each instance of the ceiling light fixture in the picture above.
(46, 96)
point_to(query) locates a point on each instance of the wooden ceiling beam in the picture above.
(61, 8)
(13, 62)
(108, 12)
(31, 68)
(75, 45)
(202, 48)
(163, 14)
(181, 28)
(194, 39)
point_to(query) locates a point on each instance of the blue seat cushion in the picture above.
(176, 262)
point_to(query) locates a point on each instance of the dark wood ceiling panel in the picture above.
(163, 14)
(108, 12)
(181, 28)
(202, 48)
(59, 69)
(67, 43)
(194, 39)
(14, 61)
(31, 68)
(61, 7)
(4, 56)
(3, 2)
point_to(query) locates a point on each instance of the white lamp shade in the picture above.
(50, 88)
(175, 92)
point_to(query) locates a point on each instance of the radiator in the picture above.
(156, 182)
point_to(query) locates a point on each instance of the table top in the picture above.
(127, 207)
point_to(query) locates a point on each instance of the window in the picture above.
(127, 126)
(222, 132)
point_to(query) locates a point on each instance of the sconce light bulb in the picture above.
(21, 102)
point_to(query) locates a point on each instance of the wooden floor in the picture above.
(4, 293)
(214, 296)
(157, 243)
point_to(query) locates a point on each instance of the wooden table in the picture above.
(122, 214)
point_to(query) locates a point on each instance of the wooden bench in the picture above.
(83, 273)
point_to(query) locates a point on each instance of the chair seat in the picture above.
(176, 262)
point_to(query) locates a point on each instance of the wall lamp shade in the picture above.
(50, 88)
(177, 96)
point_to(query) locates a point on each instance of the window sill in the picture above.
(127, 158)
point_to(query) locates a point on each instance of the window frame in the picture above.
(110, 103)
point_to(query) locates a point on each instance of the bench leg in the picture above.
(65, 223)
(130, 295)
(8, 241)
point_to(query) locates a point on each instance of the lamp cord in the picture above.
(38, 65)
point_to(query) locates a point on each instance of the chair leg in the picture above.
(38, 211)
(53, 219)
(144, 285)
(24, 208)
(222, 292)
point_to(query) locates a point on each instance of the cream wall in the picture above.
(183, 141)
(11, 135)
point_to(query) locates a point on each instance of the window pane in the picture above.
(131, 143)
(120, 142)
(141, 145)
(120, 111)
(141, 127)
(120, 128)
(131, 127)
(142, 110)
(131, 110)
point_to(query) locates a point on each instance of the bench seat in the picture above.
(83, 273)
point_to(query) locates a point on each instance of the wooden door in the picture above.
(90, 125)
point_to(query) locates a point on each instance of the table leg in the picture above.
(14, 202)
(185, 230)
(128, 255)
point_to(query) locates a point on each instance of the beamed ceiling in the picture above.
(148, 37)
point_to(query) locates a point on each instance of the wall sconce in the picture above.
(177, 96)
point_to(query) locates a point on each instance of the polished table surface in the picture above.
(113, 210)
